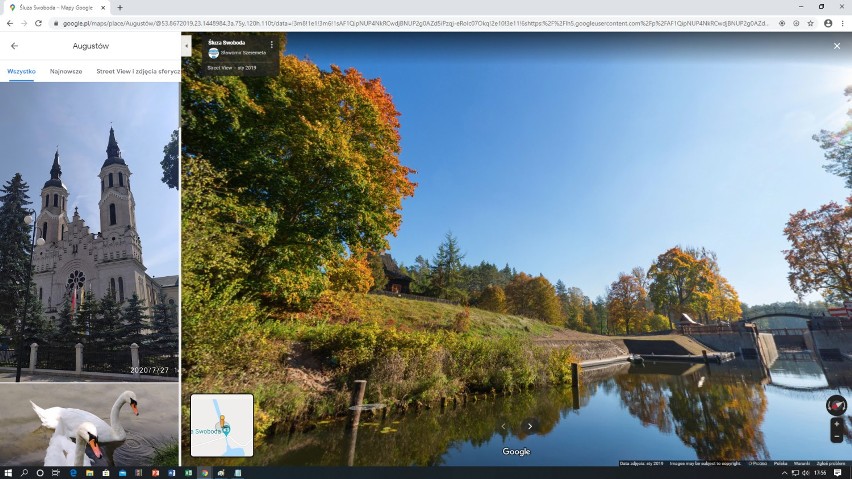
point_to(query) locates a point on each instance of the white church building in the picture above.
(110, 261)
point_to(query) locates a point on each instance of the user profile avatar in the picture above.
(213, 53)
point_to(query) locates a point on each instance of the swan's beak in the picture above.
(135, 409)
(95, 448)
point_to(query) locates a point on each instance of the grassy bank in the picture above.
(300, 367)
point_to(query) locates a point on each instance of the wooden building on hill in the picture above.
(398, 282)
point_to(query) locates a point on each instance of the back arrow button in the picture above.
(14, 45)
(9, 23)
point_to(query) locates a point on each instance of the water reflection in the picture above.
(659, 411)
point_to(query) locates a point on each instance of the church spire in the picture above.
(55, 172)
(113, 151)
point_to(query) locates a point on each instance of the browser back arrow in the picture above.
(9, 23)
(14, 45)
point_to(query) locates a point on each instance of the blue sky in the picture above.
(76, 116)
(579, 156)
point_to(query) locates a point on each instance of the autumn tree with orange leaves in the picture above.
(820, 256)
(626, 304)
(688, 280)
(318, 151)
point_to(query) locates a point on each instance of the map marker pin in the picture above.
(226, 429)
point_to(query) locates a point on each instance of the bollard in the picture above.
(78, 358)
(33, 356)
(357, 401)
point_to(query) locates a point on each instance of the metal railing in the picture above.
(8, 358)
(106, 361)
(830, 324)
(56, 356)
(785, 331)
(159, 363)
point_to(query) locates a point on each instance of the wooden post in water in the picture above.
(357, 401)
(575, 385)
(704, 353)
(355, 418)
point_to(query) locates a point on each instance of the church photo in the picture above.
(91, 221)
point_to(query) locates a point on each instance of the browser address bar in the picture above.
(479, 24)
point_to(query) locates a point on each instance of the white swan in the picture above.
(59, 450)
(67, 420)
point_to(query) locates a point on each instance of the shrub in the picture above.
(462, 322)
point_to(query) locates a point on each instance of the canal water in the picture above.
(659, 411)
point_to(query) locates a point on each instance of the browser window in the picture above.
(425, 240)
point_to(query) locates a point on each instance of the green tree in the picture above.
(171, 154)
(65, 330)
(164, 326)
(86, 319)
(38, 326)
(318, 149)
(15, 244)
(601, 315)
(447, 270)
(838, 147)
(134, 322)
(421, 275)
(106, 329)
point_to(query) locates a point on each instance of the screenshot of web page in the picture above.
(261, 240)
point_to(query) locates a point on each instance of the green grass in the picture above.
(425, 315)
(166, 455)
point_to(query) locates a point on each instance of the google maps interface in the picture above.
(508, 249)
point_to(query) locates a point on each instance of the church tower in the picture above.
(118, 209)
(53, 218)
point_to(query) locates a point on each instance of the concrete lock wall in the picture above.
(736, 342)
(727, 342)
(768, 348)
(837, 339)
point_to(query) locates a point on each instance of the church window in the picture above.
(120, 179)
(55, 199)
(46, 200)
(110, 180)
(77, 279)
(111, 212)
(102, 185)
(112, 287)
(120, 290)
(44, 231)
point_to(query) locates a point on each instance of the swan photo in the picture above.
(97, 424)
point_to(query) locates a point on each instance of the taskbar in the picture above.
(626, 469)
